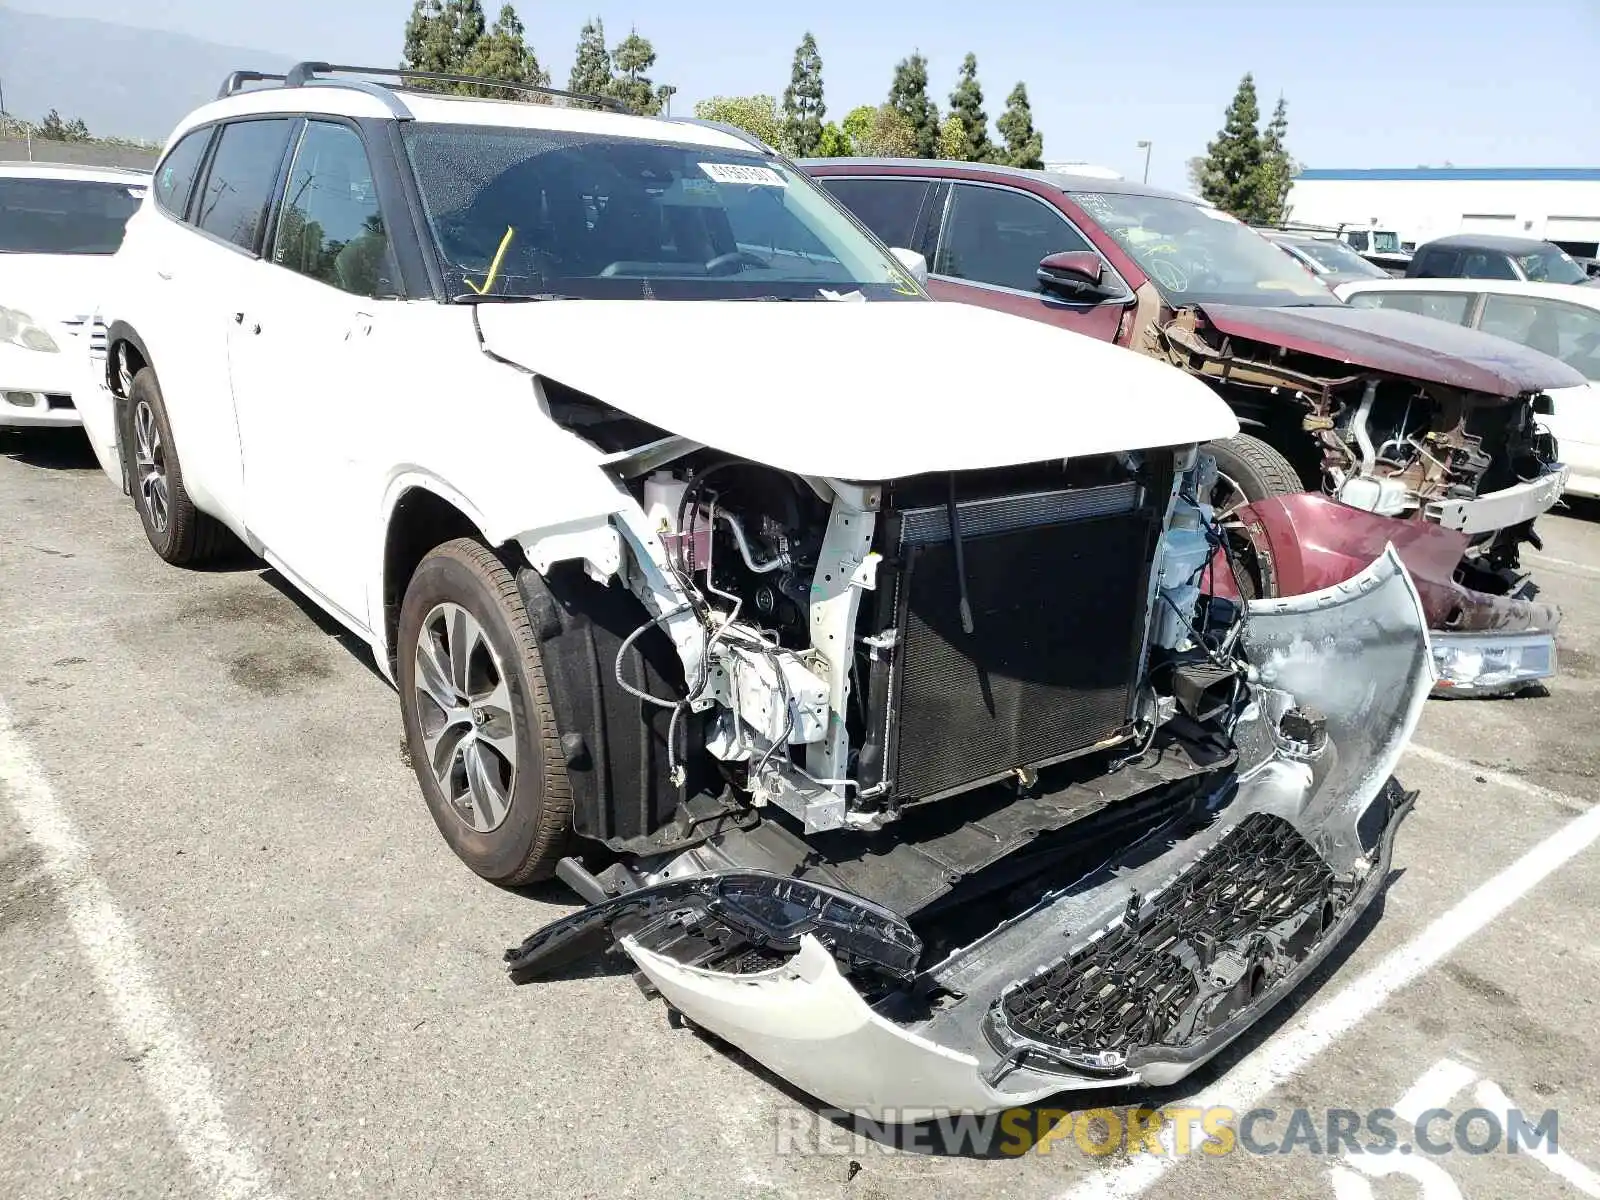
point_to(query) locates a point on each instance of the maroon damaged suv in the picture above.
(1404, 429)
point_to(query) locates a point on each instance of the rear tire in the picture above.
(179, 532)
(480, 730)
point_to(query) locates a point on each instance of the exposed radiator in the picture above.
(1057, 583)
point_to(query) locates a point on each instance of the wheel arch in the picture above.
(123, 339)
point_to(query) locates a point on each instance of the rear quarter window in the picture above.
(238, 187)
(174, 178)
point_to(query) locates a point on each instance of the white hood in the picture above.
(859, 391)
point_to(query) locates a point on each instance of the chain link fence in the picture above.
(86, 154)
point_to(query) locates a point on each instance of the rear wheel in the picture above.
(178, 531)
(479, 727)
(1248, 470)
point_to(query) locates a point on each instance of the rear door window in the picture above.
(238, 188)
(1442, 306)
(175, 176)
(1565, 331)
(888, 207)
(998, 236)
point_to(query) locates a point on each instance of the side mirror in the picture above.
(1076, 274)
(915, 264)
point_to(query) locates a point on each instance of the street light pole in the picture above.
(1145, 146)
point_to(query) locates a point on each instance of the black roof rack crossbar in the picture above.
(304, 73)
(237, 79)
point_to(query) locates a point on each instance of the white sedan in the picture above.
(59, 227)
(1557, 319)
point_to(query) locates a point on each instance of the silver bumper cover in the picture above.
(1357, 652)
(1505, 508)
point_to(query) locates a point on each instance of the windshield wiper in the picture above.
(510, 298)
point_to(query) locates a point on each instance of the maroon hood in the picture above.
(1399, 343)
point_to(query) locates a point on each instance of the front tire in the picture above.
(179, 533)
(1248, 470)
(480, 731)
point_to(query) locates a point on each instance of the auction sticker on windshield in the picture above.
(737, 173)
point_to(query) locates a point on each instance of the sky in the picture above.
(1402, 83)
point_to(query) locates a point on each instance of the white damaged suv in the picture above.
(862, 672)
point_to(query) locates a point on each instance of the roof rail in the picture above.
(237, 79)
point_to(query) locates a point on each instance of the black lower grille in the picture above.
(1208, 944)
(1051, 663)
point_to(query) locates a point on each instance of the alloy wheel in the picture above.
(464, 713)
(151, 462)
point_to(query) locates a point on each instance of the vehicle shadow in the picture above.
(1580, 508)
(977, 1138)
(49, 449)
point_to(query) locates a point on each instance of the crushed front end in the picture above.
(1428, 433)
(1012, 800)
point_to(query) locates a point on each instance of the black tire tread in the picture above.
(555, 822)
(1271, 469)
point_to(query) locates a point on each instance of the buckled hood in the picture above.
(859, 391)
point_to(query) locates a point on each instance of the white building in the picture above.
(1558, 204)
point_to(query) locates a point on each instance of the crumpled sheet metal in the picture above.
(1357, 651)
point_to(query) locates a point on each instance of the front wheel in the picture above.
(1248, 470)
(480, 731)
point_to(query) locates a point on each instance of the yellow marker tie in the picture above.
(494, 266)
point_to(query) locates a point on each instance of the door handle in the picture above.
(163, 274)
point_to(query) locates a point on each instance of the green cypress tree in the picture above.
(966, 104)
(908, 95)
(1231, 177)
(803, 109)
(504, 54)
(591, 69)
(1024, 143)
(1277, 167)
(632, 58)
(443, 36)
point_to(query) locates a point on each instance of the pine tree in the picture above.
(908, 95)
(966, 104)
(503, 54)
(443, 36)
(1277, 168)
(803, 109)
(1024, 143)
(1232, 177)
(633, 57)
(591, 69)
(53, 127)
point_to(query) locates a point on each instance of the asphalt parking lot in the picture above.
(236, 959)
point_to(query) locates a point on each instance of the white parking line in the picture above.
(1282, 1056)
(1558, 1161)
(1437, 1087)
(168, 1060)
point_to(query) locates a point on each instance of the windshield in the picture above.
(1336, 256)
(535, 212)
(1385, 242)
(1197, 254)
(1551, 266)
(64, 216)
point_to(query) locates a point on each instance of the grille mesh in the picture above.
(1050, 666)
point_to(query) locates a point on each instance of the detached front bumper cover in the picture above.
(1138, 972)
